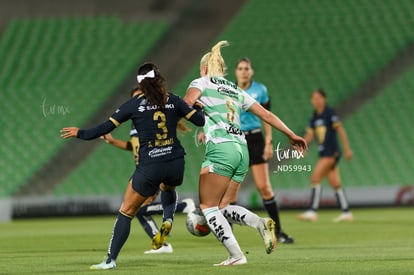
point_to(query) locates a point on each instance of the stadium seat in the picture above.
(296, 46)
(52, 64)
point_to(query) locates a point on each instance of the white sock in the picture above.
(240, 215)
(221, 228)
(315, 197)
(343, 202)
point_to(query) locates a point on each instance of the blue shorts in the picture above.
(336, 155)
(147, 178)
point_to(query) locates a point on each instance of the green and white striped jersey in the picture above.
(223, 102)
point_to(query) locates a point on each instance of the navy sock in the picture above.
(169, 203)
(148, 224)
(273, 211)
(120, 234)
(144, 216)
(180, 207)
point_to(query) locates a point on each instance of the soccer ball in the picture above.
(196, 223)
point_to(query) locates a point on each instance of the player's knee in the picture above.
(129, 211)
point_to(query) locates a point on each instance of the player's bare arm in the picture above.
(268, 149)
(297, 142)
(121, 144)
(344, 139)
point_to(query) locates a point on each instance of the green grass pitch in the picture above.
(379, 241)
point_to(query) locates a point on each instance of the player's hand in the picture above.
(348, 154)
(268, 151)
(198, 104)
(298, 143)
(68, 132)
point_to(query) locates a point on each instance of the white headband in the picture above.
(150, 74)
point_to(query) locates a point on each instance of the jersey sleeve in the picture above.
(334, 118)
(264, 96)
(197, 83)
(248, 101)
(123, 113)
(195, 115)
(97, 131)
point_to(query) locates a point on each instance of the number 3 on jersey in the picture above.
(231, 111)
(158, 115)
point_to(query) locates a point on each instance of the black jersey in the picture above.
(156, 128)
(323, 126)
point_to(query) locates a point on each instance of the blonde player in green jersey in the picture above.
(226, 159)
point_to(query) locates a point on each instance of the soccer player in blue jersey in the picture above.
(150, 207)
(226, 158)
(155, 114)
(324, 125)
(260, 147)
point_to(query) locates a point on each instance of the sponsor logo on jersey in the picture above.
(155, 107)
(222, 81)
(227, 91)
(141, 109)
(319, 122)
(234, 130)
(158, 152)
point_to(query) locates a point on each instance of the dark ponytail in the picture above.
(153, 87)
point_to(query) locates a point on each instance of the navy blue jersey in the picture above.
(156, 129)
(323, 125)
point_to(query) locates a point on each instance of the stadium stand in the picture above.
(50, 68)
(296, 46)
(380, 132)
(379, 135)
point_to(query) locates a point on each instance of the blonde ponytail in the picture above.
(214, 61)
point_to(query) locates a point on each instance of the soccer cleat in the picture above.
(344, 217)
(190, 205)
(166, 248)
(282, 237)
(161, 236)
(104, 265)
(233, 261)
(310, 216)
(266, 229)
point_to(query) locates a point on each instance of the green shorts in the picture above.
(228, 159)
